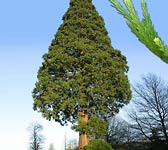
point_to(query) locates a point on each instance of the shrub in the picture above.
(98, 145)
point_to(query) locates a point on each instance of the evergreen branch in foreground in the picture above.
(143, 29)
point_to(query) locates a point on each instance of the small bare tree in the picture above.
(151, 105)
(72, 144)
(120, 133)
(36, 138)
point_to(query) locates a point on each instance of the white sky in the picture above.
(26, 31)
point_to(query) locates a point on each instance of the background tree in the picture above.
(120, 134)
(51, 147)
(36, 138)
(82, 74)
(144, 28)
(72, 144)
(151, 105)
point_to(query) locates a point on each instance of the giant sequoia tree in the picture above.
(82, 74)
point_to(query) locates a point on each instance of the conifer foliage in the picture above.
(142, 28)
(81, 71)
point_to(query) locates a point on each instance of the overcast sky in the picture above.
(26, 30)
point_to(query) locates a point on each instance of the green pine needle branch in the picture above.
(142, 28)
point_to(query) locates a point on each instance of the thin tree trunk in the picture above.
(83, 137)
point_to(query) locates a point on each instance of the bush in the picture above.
(98, 145)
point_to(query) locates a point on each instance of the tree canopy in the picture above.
(81, 70)
(143, 29)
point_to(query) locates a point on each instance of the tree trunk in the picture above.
(83, 137)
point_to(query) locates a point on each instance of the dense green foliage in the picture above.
(98, 145)
(144, 28)
(96, 127)
(81, 70)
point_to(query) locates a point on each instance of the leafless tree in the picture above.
(120, 133)
(72, 144)
(36, 138)
(151, 108)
